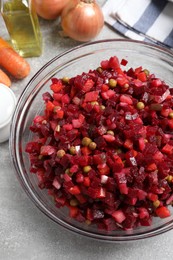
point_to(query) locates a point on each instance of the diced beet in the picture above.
(142, 194)
(105, 64)
(114, 63)
(152, 196)
(119, 216)
(88, 85)
(124, 62)
(131, 201)
(56, 184)
(47, 97)
(79, 177)
(99, 158)
(146, 222)
(169, 200)
(81, 198)
(108, 94)
(170, 123)
(66, 177)
(91, 96)
(123, 188)
(109, 138)
(143, 213)
(47, 150)
(156, 83)
(60, 201)
(126, 99)
(76, 123)
(68, 127)
(110, 224)
(120, 177)
(33, 147)
(65, 99)
(122, 80)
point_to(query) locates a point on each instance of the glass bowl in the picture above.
(70, 63)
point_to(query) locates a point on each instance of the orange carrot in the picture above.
(4, 79)
(12, 61)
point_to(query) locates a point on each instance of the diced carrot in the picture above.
(168, 149)
(56, 87)
(49, 106)
(151, 167)
(138, 70)
(86, 181)
(142, 76)
(11, 61)
(103, 169)
(151, 196)
(163, 212)
(4, 79)
(73, 211)
(85, 150)
(128, 144)
(104, 87)
(74, 190)
(122, 80)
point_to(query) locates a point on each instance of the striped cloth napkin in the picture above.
(144, 20)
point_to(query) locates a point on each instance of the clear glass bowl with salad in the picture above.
(92, 140)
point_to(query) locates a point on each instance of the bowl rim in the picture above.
(23, 182)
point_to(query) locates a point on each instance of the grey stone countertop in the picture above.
(25, 232)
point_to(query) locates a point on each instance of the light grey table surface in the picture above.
(25, 232)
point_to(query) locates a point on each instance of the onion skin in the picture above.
(49, 9)
(82, 20)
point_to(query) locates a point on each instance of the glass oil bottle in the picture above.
(23, 26)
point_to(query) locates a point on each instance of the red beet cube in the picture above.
(119, 216)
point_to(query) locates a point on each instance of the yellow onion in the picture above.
(82, 20)
(49, 9)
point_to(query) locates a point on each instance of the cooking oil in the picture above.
(23, 26)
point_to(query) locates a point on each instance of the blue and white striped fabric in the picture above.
(145, 20)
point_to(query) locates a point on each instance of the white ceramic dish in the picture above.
(7, 106)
